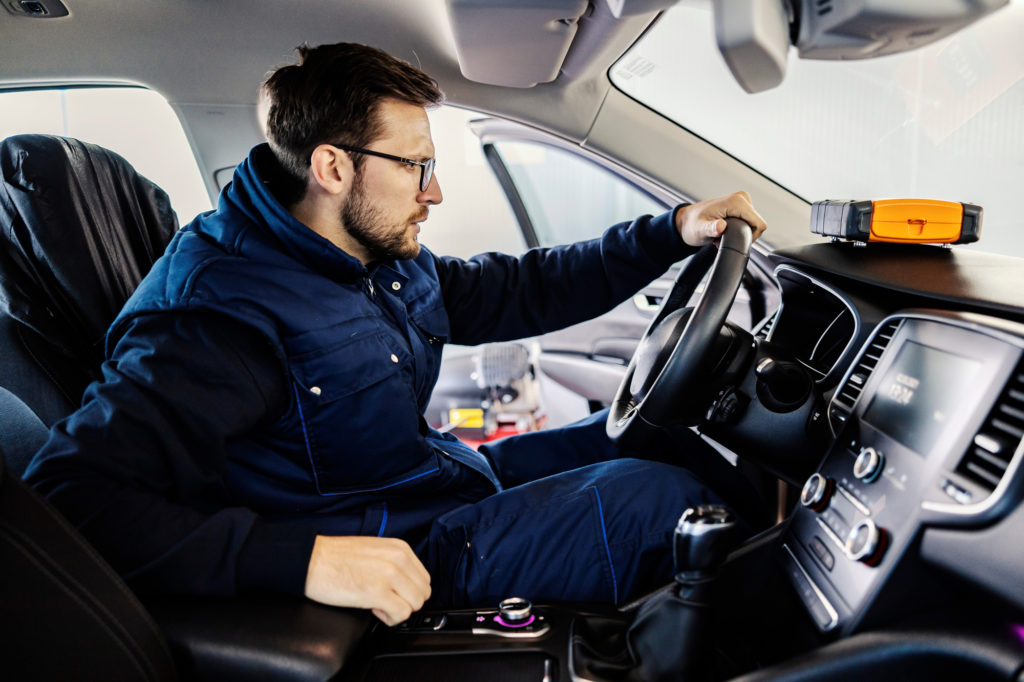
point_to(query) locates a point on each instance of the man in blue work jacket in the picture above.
(259, 425)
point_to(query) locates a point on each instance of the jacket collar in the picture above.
(250, 194)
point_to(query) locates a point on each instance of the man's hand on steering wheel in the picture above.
(704, 222)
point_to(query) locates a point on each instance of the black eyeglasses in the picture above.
(426, 167)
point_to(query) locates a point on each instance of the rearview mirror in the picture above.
(754, 36)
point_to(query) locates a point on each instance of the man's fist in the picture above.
(381, 574)
(704, 221)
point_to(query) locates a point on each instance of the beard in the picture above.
(368, 225)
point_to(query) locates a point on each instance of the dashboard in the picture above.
(925, 408)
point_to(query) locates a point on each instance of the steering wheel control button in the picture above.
(817, 492)
(514, 612)
(728, 407)
(866, 543)
(868, 465)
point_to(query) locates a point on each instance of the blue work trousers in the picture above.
(578, 520)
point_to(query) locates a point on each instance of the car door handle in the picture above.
(646, 303)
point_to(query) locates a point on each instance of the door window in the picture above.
(567, 197)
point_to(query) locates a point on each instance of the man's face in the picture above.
(385, 205)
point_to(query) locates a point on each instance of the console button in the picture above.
(424, 622)
(868, 465)
(823, 613)
(823, 553)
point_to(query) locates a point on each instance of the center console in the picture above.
(919, 443)
(514, 641)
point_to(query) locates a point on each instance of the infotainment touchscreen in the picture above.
(920, 392)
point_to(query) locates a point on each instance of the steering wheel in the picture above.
(678, 350)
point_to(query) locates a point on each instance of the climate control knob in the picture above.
(866, 543)
(817, 492)
(868, 465)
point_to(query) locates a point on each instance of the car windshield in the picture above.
(945, 121)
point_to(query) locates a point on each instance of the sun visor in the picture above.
(516, 43)
(754, 36)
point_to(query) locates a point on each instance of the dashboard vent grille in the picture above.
(847, 395)
(766, 328)
(989, 454)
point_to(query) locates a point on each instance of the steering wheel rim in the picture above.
(677, 343)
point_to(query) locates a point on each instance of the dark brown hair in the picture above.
(332, 96)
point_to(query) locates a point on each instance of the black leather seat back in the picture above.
(64, 614)
(79, 228)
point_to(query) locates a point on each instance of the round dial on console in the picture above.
(866, 543)
(817, 492)
(514, 610)
(868, 465)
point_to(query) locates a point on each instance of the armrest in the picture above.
(258, 636)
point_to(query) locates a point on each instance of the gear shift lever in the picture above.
(703, 539)
(671, 638)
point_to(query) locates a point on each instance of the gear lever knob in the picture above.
(704, 537)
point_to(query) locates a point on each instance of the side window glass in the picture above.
(136, 123)
(567, 197)
(475, 216)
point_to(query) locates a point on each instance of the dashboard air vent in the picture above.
(846, 396)
(989, 454)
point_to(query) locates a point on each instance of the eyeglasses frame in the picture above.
(426, 167)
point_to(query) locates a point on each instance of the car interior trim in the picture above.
(833, 615)
(839, 297)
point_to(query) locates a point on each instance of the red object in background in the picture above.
(504, 430)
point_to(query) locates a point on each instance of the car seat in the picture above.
(79, 228)
(64, 614)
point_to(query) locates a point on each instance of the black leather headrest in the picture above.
(79, 228)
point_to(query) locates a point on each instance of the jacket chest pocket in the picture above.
(432, 323)
(433, 327)
(357, 415)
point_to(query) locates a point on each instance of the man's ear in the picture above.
(331, 169)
